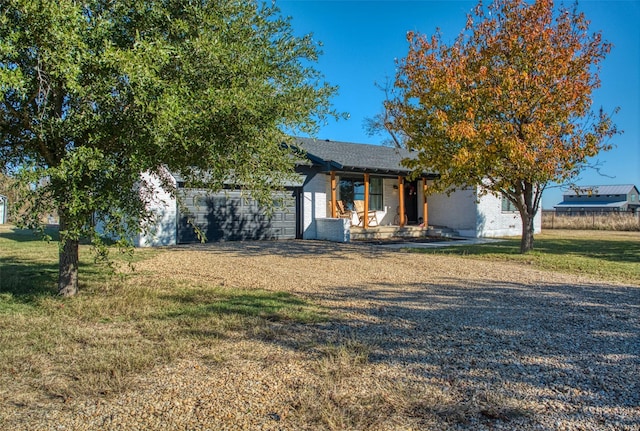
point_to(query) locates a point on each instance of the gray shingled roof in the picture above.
(347, 156)
(621, 189)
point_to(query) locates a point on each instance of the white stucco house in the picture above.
(336, 171)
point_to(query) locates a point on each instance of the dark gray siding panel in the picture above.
(227, 216)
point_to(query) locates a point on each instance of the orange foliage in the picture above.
(508, 105)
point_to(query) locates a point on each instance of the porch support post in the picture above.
(425, 207)
(365, 223)
(334, 213)
(401, 199)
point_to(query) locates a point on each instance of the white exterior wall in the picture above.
(476, 217)
(492, 222)
(314, 203)
(163, 229)
(456, 211)
(390, 202)
(333, 229)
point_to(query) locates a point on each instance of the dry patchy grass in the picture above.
(311, 336)
(118, 326)
(608, 222)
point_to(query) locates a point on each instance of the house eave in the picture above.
(391, 173)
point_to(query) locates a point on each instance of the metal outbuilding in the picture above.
(601, 199)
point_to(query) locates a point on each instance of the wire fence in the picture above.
(592, 220)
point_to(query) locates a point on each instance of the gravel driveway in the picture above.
(415, 342)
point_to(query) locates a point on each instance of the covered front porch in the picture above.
(367, 206)
(392, 201)
(357, 191)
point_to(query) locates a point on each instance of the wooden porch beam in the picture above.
(365, 223)
(425, 207)
(334, 196)
(401, 211)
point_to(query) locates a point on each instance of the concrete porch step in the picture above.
(442, 232)
(382, 232)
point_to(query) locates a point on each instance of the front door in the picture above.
(411, 201)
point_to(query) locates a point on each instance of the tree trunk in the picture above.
(526, 242)
(68, 265)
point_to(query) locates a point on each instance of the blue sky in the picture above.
(362, 39)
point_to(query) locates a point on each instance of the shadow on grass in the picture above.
(25, 282)
(27, 235)
(26, 271)
(613, 251)
(271, 306)
(29, 267)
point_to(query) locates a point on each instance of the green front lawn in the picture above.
(611, 256)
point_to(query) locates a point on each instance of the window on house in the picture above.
(508, 206)
(352, 189)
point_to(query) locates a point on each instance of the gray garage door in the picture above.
(227, 216)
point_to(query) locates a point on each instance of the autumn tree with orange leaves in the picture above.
(507, 107)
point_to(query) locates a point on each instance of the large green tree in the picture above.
(93, 93)
(507, 106)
